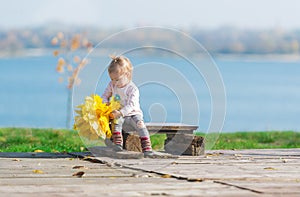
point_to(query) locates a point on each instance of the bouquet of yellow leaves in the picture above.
(92, 119)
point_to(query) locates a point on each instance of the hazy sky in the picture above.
(129, 13)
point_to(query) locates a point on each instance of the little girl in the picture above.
(130, 115)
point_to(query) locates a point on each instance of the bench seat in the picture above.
(170, 128)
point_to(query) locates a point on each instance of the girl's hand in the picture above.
(115, 114)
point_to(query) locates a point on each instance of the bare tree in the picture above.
(69, 63)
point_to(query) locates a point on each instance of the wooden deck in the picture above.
(269, 172)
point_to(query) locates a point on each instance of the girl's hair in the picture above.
(121, 65)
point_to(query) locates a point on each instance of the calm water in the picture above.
(261, 94)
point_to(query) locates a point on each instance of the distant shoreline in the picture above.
(260, 57)
(37, 52)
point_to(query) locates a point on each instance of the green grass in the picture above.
(258, 140)
(62, 140)
(47, 140)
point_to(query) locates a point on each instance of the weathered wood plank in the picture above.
(124, 187)
(100, 151)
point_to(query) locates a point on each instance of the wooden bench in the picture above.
(180, 138)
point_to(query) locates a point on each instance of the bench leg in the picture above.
(184, 144)
(132, 142)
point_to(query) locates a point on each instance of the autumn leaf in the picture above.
(166, 176)
(38, 171)
(69, 67)
(60, 69)
(54, 41)
(55, 53)
(38, 151)
(195, 180)
(61, 62)
(60, 35)
(216, 154)
(71, 81)
(60, 65)
(76, 59)
(79, 167)
(92, 159)
(269, 168)
(75, 43)
(79, 174)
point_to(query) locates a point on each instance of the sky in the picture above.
(252, 14)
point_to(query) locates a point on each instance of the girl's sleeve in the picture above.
(107, 93)
(132, 102)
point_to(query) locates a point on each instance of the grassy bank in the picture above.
(47, 140)
(258, 140)
(60, 140)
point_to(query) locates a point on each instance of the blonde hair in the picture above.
(120, 64)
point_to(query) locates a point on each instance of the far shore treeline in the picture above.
(222, 40)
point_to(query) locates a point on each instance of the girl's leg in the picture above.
(143, 132)
(117, 133)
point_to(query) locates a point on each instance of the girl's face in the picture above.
(119, 79)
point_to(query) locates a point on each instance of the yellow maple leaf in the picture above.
(55, 53)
